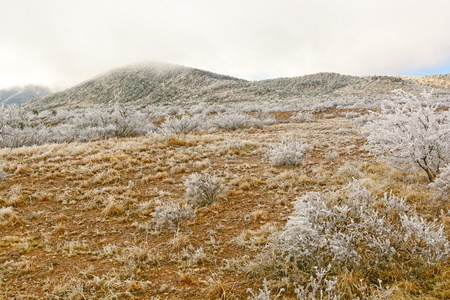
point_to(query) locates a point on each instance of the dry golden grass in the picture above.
(77, 217)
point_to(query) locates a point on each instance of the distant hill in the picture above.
(440, 80)
(21, 94)
(159, 83)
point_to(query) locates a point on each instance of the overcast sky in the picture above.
(60, 43)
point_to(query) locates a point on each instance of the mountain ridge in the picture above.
(18, 95)
(161, 83)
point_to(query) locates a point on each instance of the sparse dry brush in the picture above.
(172, 215)
(213, 209)
(288, 152)
(204, 188)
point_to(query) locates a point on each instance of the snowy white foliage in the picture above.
(288, 152)
(352, 115)
(233, 121)
(342, 232)
(442, 182)
(264, 293)
(184, 124)
(172, 215)
(332, 155)
(302, 117)
(112, 121)
(204, 188)
(19, 128)
(411, 135)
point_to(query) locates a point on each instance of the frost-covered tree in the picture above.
(411, 135)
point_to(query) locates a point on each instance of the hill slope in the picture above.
(21, 94)
(439, 80)
(159, 83)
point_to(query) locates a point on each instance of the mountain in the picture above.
(21, 94)
(159, 83)
(155, 83)
(440, 80)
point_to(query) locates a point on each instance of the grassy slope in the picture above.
(83, 211)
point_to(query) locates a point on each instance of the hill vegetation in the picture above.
(165, 84)
(223, 202)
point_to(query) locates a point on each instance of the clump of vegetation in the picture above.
(302, 117)
(204, 188)
(233, 121)
(374, 237)
(172, 215)
(442, 182)
(184, 124)
(264, 293)
(411, 135)
(288, 152)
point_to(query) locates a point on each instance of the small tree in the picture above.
(411, 135)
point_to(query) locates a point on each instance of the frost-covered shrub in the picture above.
(19, 128)
(332, 155)
(110, 121)
(302, 117)
(14, 137)
(204, 188)
(264, 293)
(233, 121)
(442, 182)
(355, 233)
(288, 152)
(266, 119)
(363, 120)
(173, 110)
(184, 124)
(172, 215)
(14, 117)
(321, 286)
(352, 115)
(411, 135)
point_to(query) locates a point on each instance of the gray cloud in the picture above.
(61, 43)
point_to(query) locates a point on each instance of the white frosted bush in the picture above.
(351, 232)
(411, 135)
(233, 121)
(302, 117)
(172, 215)
(204, 188)
(352, 115)
(110, 121)
(332, 155)
(288, 152)
(19, 128)
(442, 182)
(184, 124)
(264, 293)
